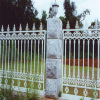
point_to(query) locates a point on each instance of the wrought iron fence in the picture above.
(81, 61)
(22, 58)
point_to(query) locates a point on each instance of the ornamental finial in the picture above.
(55, 8)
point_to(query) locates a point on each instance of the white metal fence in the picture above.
(81, 61)
(22, 58)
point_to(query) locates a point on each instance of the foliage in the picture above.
(19, 96)
(82, 98)
(34, 95)
(31, 94)
(16, 12)
(60, 94)
(50, 12)
(4, 92)
(43, 19)
(92, 25)
(8, 94)
(71, 14)
(69, 8)
(83, 15)
(95, 24)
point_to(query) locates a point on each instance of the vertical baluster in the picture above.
(62, 60)
(8, 55)
(14, 29)
(27, 56)
(15, 58)
(83, 58)
(38, 57)
(2, 30)
(21, 58)
(39, 43)
(68, 25)
(31, 57)
(0, 48)
(74, 61)
(33, 27)
(88, 61)
(69, 56)
(2, 63)
(11, 63)
(34, 54)
(98, 60)
(8, 29)
(24, 53)
(11, 54)
(93, 63)
(65, 59)
(77, 25)
(42, 58)
(5, 55)
(78, 58)
(41, 27)
(18, 58)
(44, 52)
(27, 62)
(34, 46)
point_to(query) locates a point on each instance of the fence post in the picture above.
(54, 57)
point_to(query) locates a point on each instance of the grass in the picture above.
(81, 71)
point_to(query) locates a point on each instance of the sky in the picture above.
(92, 5)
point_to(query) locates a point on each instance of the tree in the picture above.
(70, 9)
(92, 25)
(16, 12)
(50, 12)
(71, 14)
(83, 15)
(43, 20)
(95, 24)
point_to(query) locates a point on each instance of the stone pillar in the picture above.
(54, 57)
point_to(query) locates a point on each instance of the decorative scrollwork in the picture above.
(85, 92)
(95, 94)
(6, 81)
(75, 91)
(66, 90)
(25, 83)
(81, 34)
(39, 86)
